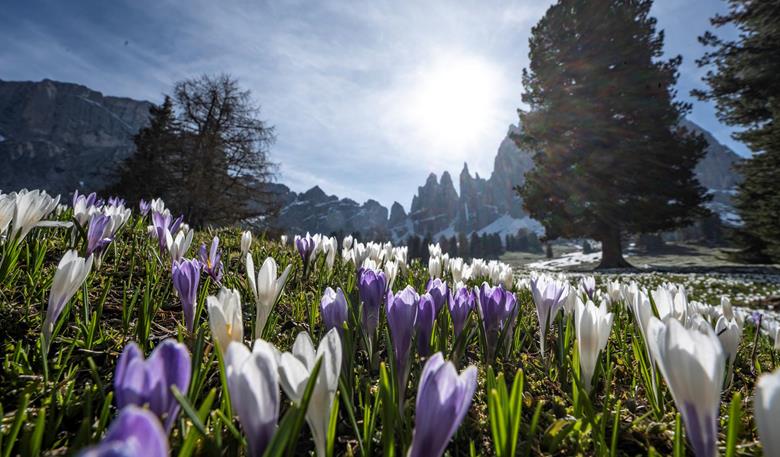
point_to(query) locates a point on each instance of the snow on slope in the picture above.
(508, 225)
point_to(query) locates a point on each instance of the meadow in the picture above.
(125, 332)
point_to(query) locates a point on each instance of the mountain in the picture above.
(61, 136)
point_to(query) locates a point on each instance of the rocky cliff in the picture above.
(60, 136)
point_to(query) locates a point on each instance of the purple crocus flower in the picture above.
(426, 318)
(443, 399)
(333, 308)
(305, 246)
(98, 234)
(461, 304)
(588, 284)
(89, 200)
(186, 277)
(148, 382)
(497, 308)
(371, 286)
(144, 207)
(439, 291)
(211, 260)
(163, 224)
(135, 432)
(401, 318)
(116, 201)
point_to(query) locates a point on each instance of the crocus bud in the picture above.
(333, 308)
(588, 285)
(7, 206)
(460, 305)
(426, 319)
(70, 275)
(439, 292)
(212, 260)
(402, 311)
(283, 240)
(266, 288)
(305, 246)
(592, 324)
(135, 432)
(692, 363)
(246, 242)
(148, 382)
(225, 317)
(443, 399)
(766, 410)
(186, 277)
(391, 271)
(179, 245)
(434, 267)
(144, 207)
(253, 383)
(497, 308)
(371, 286)
(729, 334)
(294, 371)
(548, 295)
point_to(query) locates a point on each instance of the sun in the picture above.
(453, 101)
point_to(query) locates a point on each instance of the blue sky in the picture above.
(367, 97)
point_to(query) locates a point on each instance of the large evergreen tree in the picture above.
(746, 88)
(609, 157)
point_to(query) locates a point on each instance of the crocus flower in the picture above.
(766, 410)
(391, 271)
(402, 309)
(460, 305)
(371, 285)
(588, 285)
(330, 246)
(144, 207)
(266, 288)
(98, 234)
(294, 371)
(70, 275)
(211, 260)
(186, 277)
(283, 240)
(729, 333)
(148, 382)
(253, 383)
(225, 317)
(179, 245)
(439, 292)
(548, 296)
(670, 302)
(83, 207)
(135, 432)
(30, 207)
(692, 363)
(443, 399)
(333, 308)
(497, 308)
(434, 267)
(246, 242)
(426, 318)
(164, 226)
(305, 246)
(592, 324)
(7, 206)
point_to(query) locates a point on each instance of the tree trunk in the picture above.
(612, 251)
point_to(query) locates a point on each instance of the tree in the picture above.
(205, 153)
(745, 89)
(144, 173)
(610, 157)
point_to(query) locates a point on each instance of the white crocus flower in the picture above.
(615, 291)
(346, 243)
(7, 206)
(70, 275)
(330, 246)
(178, 246)
(30, 207)
(294, 371)
(157, 205)
(225, 317)
(246, 242)
(729, 333)
(766, 410)
(434, 267)
(253, 383)
(391, 271)
(283, 240)
(592, 324)
(692, 362)
(266, 288)
(670, 303)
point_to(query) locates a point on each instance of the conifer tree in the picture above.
(610, 158)
(746, 89)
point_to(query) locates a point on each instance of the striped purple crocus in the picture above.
(144, 207)
(371, 287)
(139, 381)
(305, 246)
(497, 308)
(333, 309)
(460, 305)
(439, 292)
(99, 234)
(163, 224)
(135, 432)
(443, 399)
(402, 318)
(211, 260)
(186, 277)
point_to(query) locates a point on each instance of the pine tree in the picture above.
(745, 88)
(609, 157)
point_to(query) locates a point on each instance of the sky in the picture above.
(367, 97)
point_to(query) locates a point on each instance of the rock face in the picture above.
(60, 136)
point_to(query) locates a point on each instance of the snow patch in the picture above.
(508, 225)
